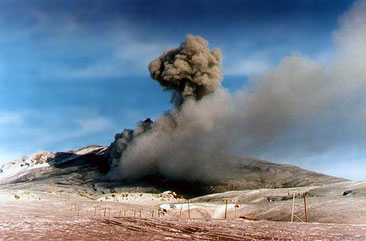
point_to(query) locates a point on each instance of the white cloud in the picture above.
(7, 118)
(96, 124)
(115, 52)
(82, 127)
(32, 131)
(250, 65)
(129, 56)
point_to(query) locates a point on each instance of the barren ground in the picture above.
(65, 198)
(43, 216)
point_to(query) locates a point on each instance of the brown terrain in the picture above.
(61, 217)
(63, 196)
(62, 220)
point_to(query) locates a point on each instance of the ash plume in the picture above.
(124, 139)
(300, 110)
(189, 70)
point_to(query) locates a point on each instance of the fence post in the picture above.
(235, 207)
(293, 207)
(305, 208)
(225, 209)
(181, 207)
(189, 210)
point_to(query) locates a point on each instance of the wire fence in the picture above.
(227, 210)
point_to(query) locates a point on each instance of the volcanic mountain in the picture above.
(87, 169)
(261, 189)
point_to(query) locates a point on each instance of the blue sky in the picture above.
(74, 73)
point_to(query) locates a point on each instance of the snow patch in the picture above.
(24, 164)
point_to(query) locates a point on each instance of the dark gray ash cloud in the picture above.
(189, 70)
(300, 110)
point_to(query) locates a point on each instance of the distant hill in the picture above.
(263, 190)
(86, 168)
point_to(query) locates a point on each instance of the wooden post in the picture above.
(225, 209)
(140, 213)
(235, 207)
(105, 210)
(189, 210)
(181, 207)
(293, 207)
(152, 213)
(305, 208)
(124, 213)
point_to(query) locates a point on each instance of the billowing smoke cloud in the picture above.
(124, 139)
(303, 108)
(190, 70)
(300, 110)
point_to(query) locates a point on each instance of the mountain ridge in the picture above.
(88, 167)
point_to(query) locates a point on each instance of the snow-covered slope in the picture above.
(15, 169)
(261, 187)
(87, 167)
(48, 164)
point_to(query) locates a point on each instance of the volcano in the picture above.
(87, 168)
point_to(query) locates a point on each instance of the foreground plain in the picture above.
(57, 217)
(66, 196)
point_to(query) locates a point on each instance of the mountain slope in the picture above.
(86, 168)
(261, 189)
